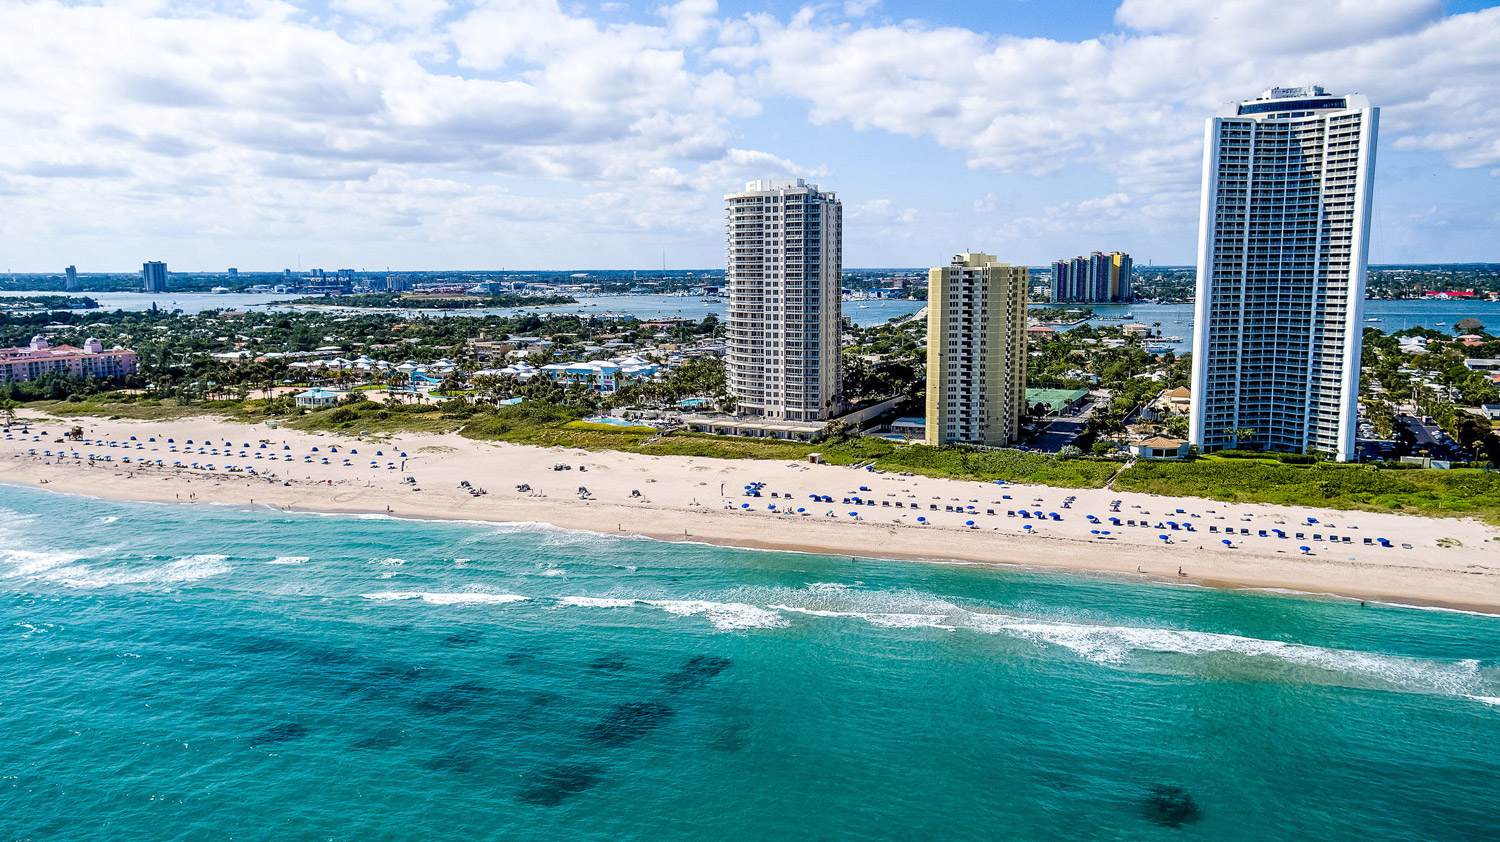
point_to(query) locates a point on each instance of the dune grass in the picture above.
(1431, 492)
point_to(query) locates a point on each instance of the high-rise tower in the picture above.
(976, 351)
(71, 279)
(154, 274)
(785, 277)
(1283, 244)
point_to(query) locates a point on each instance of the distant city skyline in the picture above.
(531, 136)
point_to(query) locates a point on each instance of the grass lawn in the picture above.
(1458, 492)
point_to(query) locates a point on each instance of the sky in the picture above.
(534, 134)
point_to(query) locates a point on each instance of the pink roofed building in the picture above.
(29, 362)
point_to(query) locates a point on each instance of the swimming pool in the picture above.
(612, 421)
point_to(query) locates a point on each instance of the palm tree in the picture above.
(1238, 433)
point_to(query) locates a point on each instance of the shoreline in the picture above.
(672, 498)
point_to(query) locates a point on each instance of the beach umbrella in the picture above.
(771, 506)
(1305, 549)
(380, 453)
(403, 454)
(1105, 532)
(968, 523)
(854, 514)
(315, 450)
(800, 511)
(1027, 527)
(286, 447)
(1093, 532)
(1165, 538)
(921, 520)
(744, 505)
(1228, 543)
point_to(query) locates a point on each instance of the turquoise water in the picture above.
(177, 673)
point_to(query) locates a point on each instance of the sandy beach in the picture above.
(1435, 562)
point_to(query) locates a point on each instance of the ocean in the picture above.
(179, 672)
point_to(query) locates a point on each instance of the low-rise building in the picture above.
(315, 398)
(605, 376)
(30, 362)
(1160, 447)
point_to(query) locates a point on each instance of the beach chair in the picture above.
(1262, 533)
(1317, 537)
(932, 506)
(885, 503)
(1214, 529)
(1348, 540)
(1010, 513)
(1131, 521)
(1299, 536)
(1369, 541)
(989, 511)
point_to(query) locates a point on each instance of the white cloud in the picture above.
(1133, 104)
(259, 121)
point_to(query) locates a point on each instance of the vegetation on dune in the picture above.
(1457, 492)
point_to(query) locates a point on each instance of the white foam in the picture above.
(27, 563)
(189, 569)
(596, 602)
(392, 562)
(554, 572)
(888, 620)
(289, 559)
(909, 621)
(110, 519)
(447, 598)
(1489, 700)
(728, 616)
(1114, 645)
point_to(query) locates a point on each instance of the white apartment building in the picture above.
(785, 273)
(1283, 245)
(976, 351)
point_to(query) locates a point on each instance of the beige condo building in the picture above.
(976, 351)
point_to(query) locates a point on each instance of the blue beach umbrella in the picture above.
(921, 520)
(1165, 538)
(1305, 550)
(801, 511)
(1228, 543)
(1027, 527)
(744, 505)
(968, 523)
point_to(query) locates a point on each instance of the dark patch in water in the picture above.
(521, 656)
(462, 639)
(630, 722)
(697, 670)
(457, 760)
(381, 740)
(541, 698)
(552, 786)
(609, 663)
(460, 696)
(328, 657)
(730, 738)
(283, 732)
(394, 675)
(1171, 806)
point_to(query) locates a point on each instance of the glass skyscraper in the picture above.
(1283, 246)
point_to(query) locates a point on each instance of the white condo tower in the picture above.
(785, 276)
(1283, 246)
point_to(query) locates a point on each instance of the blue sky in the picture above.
(532, 134)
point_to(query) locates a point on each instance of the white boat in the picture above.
(1372, 320)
